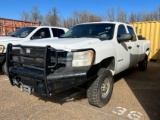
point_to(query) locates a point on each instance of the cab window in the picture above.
(121, 30)
(57, 32)
(131, 31)
(42, 33)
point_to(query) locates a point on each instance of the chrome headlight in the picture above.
(82, 58)
(1, 48)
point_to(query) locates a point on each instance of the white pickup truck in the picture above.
(89, 53)
(28, 34)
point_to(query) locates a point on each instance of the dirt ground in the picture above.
(136, 96)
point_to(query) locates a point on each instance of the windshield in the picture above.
(103, 31)
(22, 32)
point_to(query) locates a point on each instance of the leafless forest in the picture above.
(53, 17)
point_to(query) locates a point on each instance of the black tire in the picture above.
(97, 93)
(4, 68)
(142, 66)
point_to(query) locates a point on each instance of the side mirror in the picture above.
(124, 37)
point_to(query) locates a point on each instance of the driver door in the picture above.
(42, 33)
(122, 49)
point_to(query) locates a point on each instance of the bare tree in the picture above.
(139, 17)
(132, 17)
(156, 14)
(69, 23)
(52, 18)
(81, 17)
(111, 14)
(121, 15)
(145, 16)
(25, 16)
(89, 17)
(35, 15)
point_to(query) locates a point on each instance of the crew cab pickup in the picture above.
(28, 34)
(88, 54)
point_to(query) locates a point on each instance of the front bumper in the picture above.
(61, 80)
(2, 57)
(55, 75)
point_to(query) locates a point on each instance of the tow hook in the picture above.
(26, 88)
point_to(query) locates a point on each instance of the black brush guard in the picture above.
(48, 78)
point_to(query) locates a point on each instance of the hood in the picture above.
(4, 40)
(9, 38)
(64, 43)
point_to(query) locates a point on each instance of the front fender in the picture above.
(103, 51)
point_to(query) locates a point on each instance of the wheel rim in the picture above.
(105, 88)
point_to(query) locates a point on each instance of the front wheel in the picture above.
(100, 91)
(143, 64)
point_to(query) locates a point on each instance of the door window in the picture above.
(42, 33)
(121, 30)
(57, 32)
(131, 31)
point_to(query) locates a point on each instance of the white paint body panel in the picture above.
(4, 40)
(124, 57)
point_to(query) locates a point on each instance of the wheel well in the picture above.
(147, 51)
(108, 63)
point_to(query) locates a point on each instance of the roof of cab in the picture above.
(113, 22)
(49, 27)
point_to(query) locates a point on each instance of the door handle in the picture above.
(129, 47)
(137, 45)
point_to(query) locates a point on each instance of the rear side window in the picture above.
(57, 32)
(121, 30)
(131, 31)
(42, 33)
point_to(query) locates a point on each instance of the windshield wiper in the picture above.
(90, 37)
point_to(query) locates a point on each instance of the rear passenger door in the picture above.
(134, 47)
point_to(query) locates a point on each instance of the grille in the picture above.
(59, 54)
(34, 58)
(32, 51)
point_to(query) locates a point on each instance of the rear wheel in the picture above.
(100, 91)
(143, 64)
